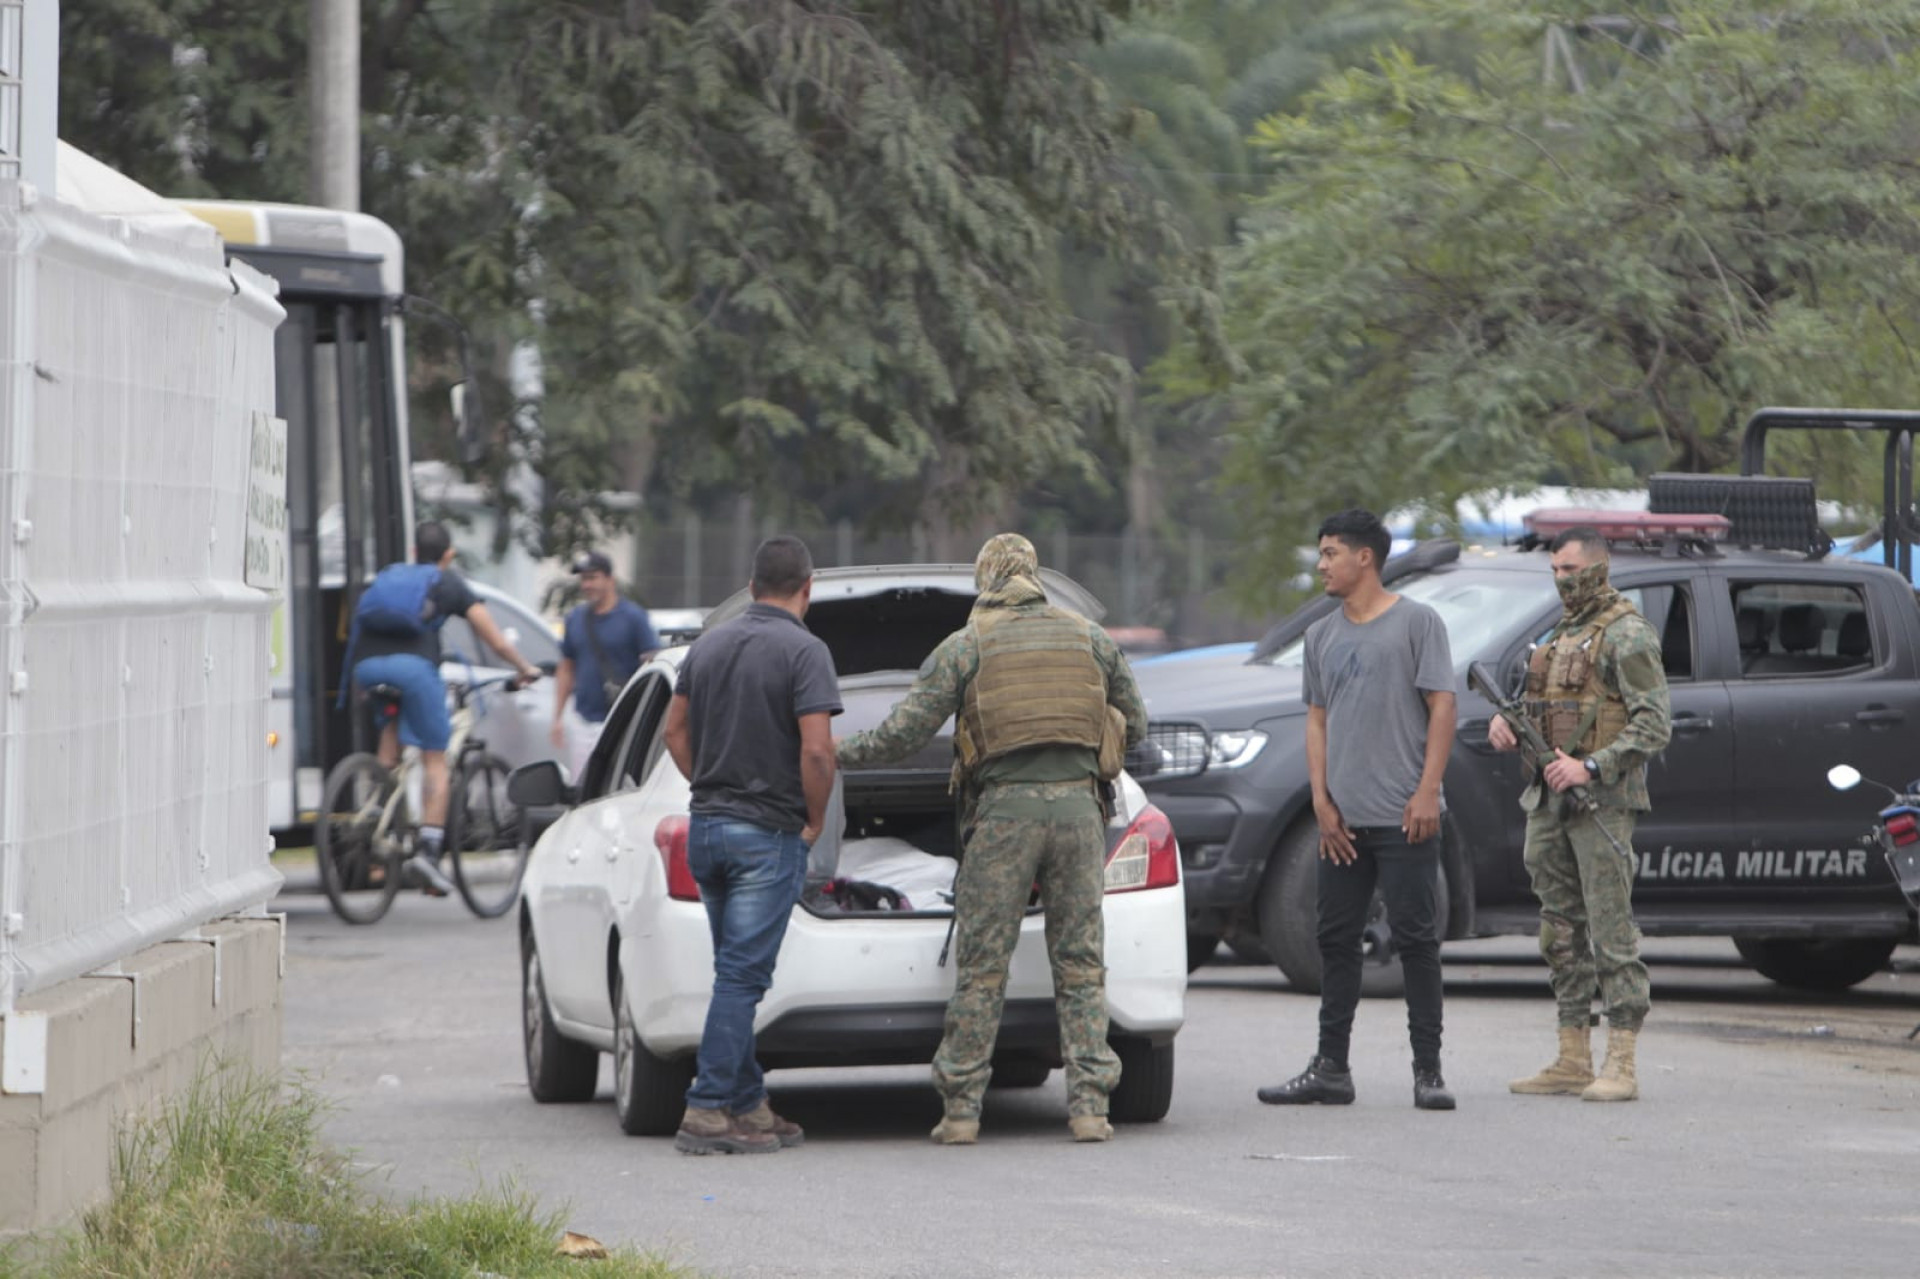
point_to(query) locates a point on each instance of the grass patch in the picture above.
(285, 859)
(233, 1180)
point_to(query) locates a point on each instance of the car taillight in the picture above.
(1903, 829)
(1147, 856)
(670, 837)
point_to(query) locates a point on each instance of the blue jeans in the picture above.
(750, 879)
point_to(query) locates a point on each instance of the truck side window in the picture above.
(1669, 610)
(1801, 629)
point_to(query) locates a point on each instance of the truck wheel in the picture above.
(1200, 948)
(1290, 918)
(1145, 1091)
(1244, 940)
(1825, 964)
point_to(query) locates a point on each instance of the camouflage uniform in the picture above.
(1585, 887)
(1029, 816)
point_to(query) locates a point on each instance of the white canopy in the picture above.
(87, 184)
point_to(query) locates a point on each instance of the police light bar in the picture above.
(1629, 526)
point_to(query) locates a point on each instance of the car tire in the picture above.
(1200, 948)
(649, 1092)
(559, 1070)
(1290, 919)
(1145, 1092)
(1816, 964)
(1020, 1072)
(1244, 940)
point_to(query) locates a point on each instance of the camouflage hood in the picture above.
(1007, 573)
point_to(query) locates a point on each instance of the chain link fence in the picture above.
(1171, 592)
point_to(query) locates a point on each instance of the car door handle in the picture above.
(1692, 723)
(1880, 715)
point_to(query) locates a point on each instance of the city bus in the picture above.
(340, 379)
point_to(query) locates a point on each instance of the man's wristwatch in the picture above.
(1593, 768)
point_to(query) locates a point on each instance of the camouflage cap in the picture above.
(1005, 556)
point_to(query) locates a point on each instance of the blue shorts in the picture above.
(424, 721)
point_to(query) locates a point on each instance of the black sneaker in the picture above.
(1430, 1091)
(1324, 1082)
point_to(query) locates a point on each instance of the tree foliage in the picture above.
(780, 245)
(1456, 281)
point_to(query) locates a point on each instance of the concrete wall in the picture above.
(102, 1049)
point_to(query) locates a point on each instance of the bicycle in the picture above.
(365, 833)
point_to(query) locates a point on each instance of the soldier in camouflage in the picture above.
(1598, 691)
(1044, 704)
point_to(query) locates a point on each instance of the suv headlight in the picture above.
(1236, 749)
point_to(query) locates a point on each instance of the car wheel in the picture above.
(1200, 948)
(1145, 1091)
(649, 1092)
(1244, 940)
(1826, 964)
(1289, 919)
(1020, 1072)
(559, 1069)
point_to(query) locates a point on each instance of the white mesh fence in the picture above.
(133, 783)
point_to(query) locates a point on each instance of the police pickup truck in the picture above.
(1782, 661)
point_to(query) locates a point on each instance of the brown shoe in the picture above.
(1090, 1128)
(762, 1119)
(715, 1132)
(952, 1131)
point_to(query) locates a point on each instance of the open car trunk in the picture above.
(892, 847)
(892, 827)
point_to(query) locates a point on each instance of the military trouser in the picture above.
(1585, 889)
(1007, 848)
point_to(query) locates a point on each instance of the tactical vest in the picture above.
(1565, 695)
(1038, 684)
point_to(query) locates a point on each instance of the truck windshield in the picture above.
(1479, 609)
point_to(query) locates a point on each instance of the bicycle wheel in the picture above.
(485, 836)
(359, 855)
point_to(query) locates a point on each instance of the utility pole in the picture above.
(333, 70)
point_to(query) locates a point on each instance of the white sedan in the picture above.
(615, 950)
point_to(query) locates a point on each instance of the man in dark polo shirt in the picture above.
(749, 726)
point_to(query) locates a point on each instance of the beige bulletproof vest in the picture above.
(1566, 695)
(1038, 684)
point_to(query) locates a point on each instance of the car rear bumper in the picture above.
(877, 985)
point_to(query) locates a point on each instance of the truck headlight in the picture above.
(1235, 750)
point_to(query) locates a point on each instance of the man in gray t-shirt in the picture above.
(1380, 716)
(749, 727)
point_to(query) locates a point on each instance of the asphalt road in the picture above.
(1778, 1134)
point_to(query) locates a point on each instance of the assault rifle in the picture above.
(1535, 743)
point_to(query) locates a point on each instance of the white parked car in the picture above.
(615, 950)
(513, 722)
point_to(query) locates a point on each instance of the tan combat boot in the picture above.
(1617, 1081)
(1571, 1072)
(956, 1132)
(1090, 1128)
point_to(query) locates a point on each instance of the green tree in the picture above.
(1455, 282)
(780, 245)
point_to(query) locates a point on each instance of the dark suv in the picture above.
(1780, 665)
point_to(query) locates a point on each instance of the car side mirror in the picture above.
(541, 784)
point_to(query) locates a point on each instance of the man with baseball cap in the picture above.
(606, 639)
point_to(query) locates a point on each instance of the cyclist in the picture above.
(396, 641)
